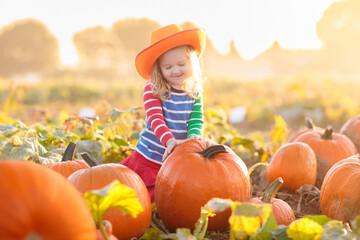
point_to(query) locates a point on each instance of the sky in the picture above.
(254, 25)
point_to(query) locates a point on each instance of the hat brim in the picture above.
(145, 60)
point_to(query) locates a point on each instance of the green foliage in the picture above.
(255, 221)
(322, 219)
(279, 133)
(114, 195)
(356, 225)
(20, 142)
(111, 141)
(337, 230)
(304, 229)
(247, 218)
(114, 136)
(152, 234)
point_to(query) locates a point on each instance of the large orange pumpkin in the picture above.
(329, 148)
(98, 176)
(68, 165)
(351, 129)
(282, 211)
(340, 192)
(37, 203)
(295, 163)
(309, 126)
(195, 172)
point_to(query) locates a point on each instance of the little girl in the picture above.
(172, 98)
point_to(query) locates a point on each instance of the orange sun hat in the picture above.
(164, 39)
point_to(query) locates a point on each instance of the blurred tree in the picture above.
(339, 30)
(210, 49)
(133, 33)
(97, 48)
(27, 46)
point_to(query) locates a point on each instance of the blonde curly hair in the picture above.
(192, 85)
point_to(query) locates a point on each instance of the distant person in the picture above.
(172, 98)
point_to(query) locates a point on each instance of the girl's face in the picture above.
(175, 66)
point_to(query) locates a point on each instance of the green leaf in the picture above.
(251, 210)
(279, 133)
(121, 141)
(336, 230)
(65, 136)
(94, 148)
(304, 229)
(202, 223)
(42, 160)
(218, 204)
(245, 142)
(185, 234)
(267, 229)
(320, 219)
(114, 195)
(116, 114)
(247, 218)
(20, 125)
(52, 157)
(151, 234)
(118, 129)
(8, 148)
(8, 130)
(242, 227)
(22, 153)
(355, 224)
(280, 233)
(39, 148)
(110, 132)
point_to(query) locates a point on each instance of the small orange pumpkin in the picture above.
(67, 165)
(282, 211)
(329, 148)
(98, 176)
(35, 203)
(351, 129)
(295, 163)
(340, 191)
(309, 126)
(196, 171)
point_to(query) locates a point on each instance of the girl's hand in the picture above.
(195, 137)
(170, 145)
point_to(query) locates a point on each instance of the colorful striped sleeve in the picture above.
(196, 121)
(155, 116)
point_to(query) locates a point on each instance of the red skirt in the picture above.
(146, 169)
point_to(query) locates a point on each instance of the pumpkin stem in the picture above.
(212, 150)
(89, 159)
(252, 168)
(309, 123)
(272, 190)
(69, 152)
(327, 133)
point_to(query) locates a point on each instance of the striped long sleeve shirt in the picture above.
(179, 117)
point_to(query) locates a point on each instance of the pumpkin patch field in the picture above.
(290, 169)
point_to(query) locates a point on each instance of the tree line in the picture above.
(28, 46)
